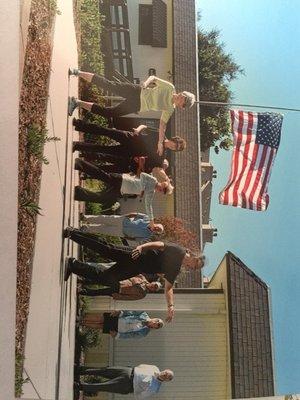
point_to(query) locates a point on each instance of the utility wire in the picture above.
(223, 104)
(34, 388)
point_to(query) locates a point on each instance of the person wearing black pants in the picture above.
(150, 257)
(129, 91)
(120, 380)
(142, 141)
(154, 94)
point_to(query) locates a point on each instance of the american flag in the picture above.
(256, 141)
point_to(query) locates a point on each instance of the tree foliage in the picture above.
(175, 231)
(216, 70)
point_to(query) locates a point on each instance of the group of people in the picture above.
(136, 165)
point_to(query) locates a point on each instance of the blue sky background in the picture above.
(264, 38)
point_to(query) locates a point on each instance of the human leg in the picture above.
(120, 384)
(106, 197)
(120, 254)
(118, 135)
(125, 107)
(116, 150)
(91, 169)
(123, 89)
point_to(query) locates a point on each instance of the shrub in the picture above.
(36, 138)
(19, 380)
(89, 337)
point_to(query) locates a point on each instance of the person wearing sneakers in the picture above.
(151, 257)
(121, 184)
(135, 226)
(154, 94)
(123, 324)
(143, 380)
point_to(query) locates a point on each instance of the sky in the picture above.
(264, 38)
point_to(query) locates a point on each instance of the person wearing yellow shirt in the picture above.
(154, 94)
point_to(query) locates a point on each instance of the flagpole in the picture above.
(222, 104)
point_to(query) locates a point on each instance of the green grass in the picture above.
(19, 380)
(37, 137)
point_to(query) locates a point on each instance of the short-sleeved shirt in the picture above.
(167, 262)
(134, 185)
(159, 98)
(145, 145)
(137, 227)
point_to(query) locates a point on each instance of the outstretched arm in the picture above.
(162, 131)
(147, 246)
(160, 174)
(139, 129)
(148, 81)
(169, 295)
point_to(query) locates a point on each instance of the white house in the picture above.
(219, 345)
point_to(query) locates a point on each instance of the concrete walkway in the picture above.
(49, 349)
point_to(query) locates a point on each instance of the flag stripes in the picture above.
(251, 162)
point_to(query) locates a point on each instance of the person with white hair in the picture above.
(151, 257)
(123, 324)
(135, 226)
(143, 380)
(154, 94)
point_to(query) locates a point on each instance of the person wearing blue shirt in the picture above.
(144, 380)
(124, 324)
(134, 226)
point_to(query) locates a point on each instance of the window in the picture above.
(145, 24)
(153, 24)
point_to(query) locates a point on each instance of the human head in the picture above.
(164, 187)
(184, 100)
(154, 286)
(158, 229)
(155, 323)
(165, 164)
(166, 375)
(193, 260)
(189, 99)
(176, 143)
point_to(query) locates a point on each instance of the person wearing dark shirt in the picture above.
(151, 257)
(142, 141)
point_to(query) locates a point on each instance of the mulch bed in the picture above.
(33, 109)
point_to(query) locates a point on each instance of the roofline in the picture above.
(232, 377)
(250, 272)
(260, 281)
(272, 337)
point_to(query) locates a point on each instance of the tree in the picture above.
(176, 232)
(216, 70)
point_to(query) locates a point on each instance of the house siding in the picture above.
(194, 345)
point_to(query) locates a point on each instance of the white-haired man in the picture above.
(143, 380)
(154, 94)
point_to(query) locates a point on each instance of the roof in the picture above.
(251, 351)
(185, 72)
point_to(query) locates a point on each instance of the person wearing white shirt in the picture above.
(125, 184)
(143, 381)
